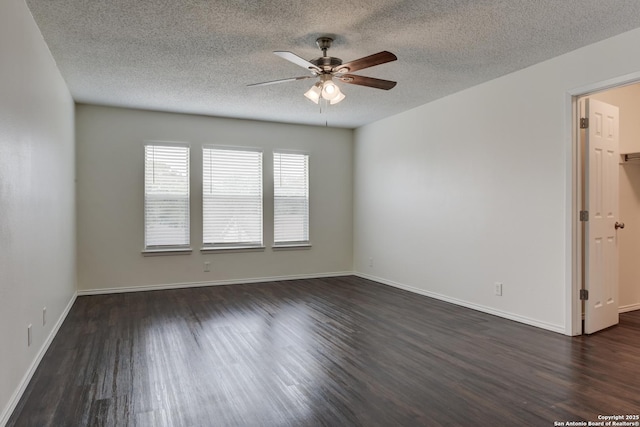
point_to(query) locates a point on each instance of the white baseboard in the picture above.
(15, 398)
(122, 289)
(515, 317)
(630, 307)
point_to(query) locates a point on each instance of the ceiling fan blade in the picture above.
(366, 62)
(292, 57)
(273, 82)
(367, 81)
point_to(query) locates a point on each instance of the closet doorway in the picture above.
(610, 235)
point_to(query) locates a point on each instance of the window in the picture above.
(166, 196)
(291, 198)
(231, 197)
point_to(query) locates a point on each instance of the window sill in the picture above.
(291, 246)
(163, 252)
(222, 249)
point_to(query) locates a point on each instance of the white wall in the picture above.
(627, 98)
(474, 188)
(110, 168)
(37, 213)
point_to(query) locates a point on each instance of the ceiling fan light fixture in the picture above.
(325, 90)
(314, 93)
(338, 98)
(330, 91)
(325, 68)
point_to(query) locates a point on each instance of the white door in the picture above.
(601, 193)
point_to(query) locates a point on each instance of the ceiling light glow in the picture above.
(325, 89)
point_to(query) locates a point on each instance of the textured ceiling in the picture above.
(197, 56)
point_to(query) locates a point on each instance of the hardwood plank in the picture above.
(336, 351)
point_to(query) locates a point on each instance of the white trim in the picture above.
(615, 82)
(17, 394)
(627, 308)
(233, 148)
(123, 289)
(291, 151)
(484, 309)
(573, 235)
(168, 251)
(216, 249)
(290, 246)
(166, 143)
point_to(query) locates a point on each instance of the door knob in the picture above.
(619, 225)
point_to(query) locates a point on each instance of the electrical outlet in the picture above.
(498, 289)
(370, 262)
(44, 316)
(207, 266)
(29, 336)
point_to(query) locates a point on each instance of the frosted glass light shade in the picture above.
(338, 98)
(314, 93)
(330, 90)
(325, 89)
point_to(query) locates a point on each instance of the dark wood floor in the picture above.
(322, 352)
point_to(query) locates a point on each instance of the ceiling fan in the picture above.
(326, 68)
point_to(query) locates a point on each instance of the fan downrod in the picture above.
(325, 63)
(324, 43)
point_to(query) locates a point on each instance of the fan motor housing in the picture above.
(326, 63)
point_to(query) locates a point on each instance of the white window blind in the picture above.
(231, 197)
(166, 196)
(291, 198)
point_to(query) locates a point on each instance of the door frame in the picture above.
(573, 320)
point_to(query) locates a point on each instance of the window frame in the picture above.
(292, 244)
(233, 246)
(166, 249)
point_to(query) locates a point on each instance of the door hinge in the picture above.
(584, 294)
(584, 216)
(584, 123)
